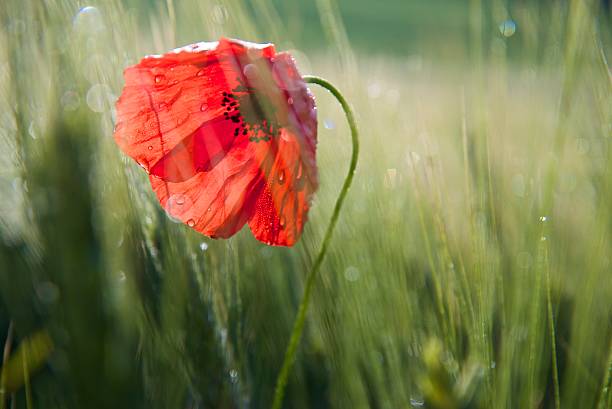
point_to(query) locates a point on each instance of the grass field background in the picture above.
(471, 266)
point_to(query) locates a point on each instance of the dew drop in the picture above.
(47, 292)
(290, 101)
(299, 174)
(182, 120)
(190, 223)
(203, 107)
(507, 28)
(283, 221)
(281, 177)
(32, 130)
(417, 402)
(150, 147)
(233, 375)
(329, 124)
(159, 79)
(543, 218)
(100, 98)
(200, 73)
(70, 101)
(203, 246)
(352, 273)
(180, 200)
(88, 21)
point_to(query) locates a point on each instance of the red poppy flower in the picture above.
(227, 132)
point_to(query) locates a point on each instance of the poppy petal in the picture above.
(168, 97)
(216, 203)
(198, 152)
(283, 203)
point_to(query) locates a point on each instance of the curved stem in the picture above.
(298, 326)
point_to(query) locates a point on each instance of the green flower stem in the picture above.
(298, 326)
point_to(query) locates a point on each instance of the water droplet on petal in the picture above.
(180, 199)
(251, 72)
(203, 107)
(200, 73)
(150, 147)
(299, 173)
(190, 223)
(281, 177)
(159, 79)
(182, 120)
(290, 101)
(282, 221)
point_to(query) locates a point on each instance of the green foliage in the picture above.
(470, 267)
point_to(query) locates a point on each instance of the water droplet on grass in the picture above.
(32, 130)
(70, 101)
(88, 20)
(417, 402)
(100, 98)
(203, 246)
(352, 274)
(47, 292)
(374, 90)
(507, 28)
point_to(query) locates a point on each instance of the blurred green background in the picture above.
(471, 267)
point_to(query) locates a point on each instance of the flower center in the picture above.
(253, 113)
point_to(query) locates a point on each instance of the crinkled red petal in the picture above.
(172, 118)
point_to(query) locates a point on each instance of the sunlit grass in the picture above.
(478, 229)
